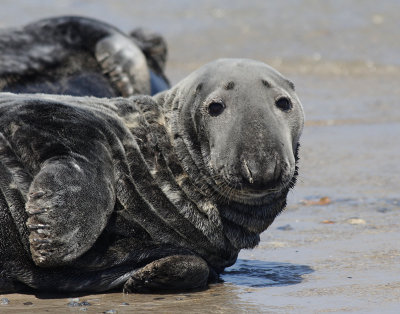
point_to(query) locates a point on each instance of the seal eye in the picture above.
(283, 103)
(215, 108)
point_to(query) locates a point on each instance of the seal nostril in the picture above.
(283, 103)
(248, 172)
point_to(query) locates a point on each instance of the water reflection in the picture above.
(255, 273)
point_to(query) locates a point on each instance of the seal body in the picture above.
(148, 193)
(80, 56)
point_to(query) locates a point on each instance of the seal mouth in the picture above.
(253, 196)
(251, 190)
(236, 190)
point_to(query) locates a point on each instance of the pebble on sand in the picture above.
(4, 301)
(285, 228)
(322, 201)
(75, 303)
(356, 221)
(328, 222)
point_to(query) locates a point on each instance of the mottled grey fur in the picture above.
(80, 56)
(147, 193)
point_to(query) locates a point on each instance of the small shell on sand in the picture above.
(356, 221)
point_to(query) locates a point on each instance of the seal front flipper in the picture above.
(69, 202)
(155, 49)
(124, 63)
(176, 272)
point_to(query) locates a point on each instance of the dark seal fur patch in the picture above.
(199, 87)
(266, 83)
(229, 85)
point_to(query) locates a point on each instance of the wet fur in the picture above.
(128, 178)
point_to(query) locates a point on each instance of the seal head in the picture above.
(241, 121)
(235, 125)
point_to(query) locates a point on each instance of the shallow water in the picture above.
(343, 56)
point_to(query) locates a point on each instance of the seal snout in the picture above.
(261, 177)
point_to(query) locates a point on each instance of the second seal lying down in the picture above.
(148, 193)
(79, 56)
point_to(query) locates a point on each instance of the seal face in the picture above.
(148, 192)
(248, 140)
(80, 56)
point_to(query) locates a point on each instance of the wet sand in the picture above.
(338, 254)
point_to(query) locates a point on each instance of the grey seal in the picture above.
(80, 56)
(145, 193)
